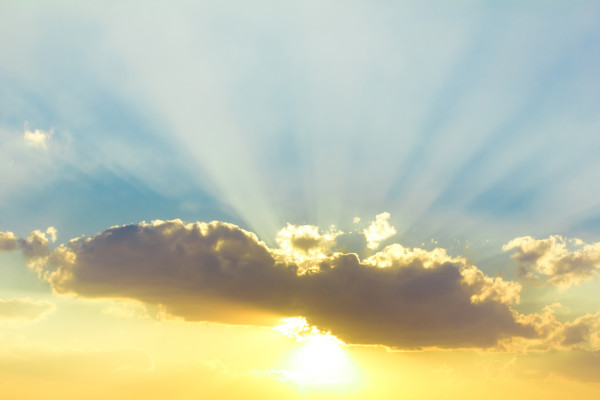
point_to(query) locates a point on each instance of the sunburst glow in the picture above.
(412, 183)
(318, 360)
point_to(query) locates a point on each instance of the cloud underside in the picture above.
(218, 272)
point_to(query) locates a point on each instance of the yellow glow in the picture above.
(305, 244)
(318, 360)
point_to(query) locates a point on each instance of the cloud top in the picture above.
(37, 137)
(379, 230)
(36, 244)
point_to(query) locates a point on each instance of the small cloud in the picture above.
(24, 309)
(51, 232)
(379, 230)
(554, 260)
(355, 220)
(8, 241)
(36, 244)
(37, 137)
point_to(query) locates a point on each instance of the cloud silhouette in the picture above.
(406, 298)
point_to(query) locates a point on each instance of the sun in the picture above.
(319, 359)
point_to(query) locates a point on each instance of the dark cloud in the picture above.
(217, 271)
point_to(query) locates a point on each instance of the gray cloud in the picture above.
(554, 259)
(36, 244)
(584, 331)
(217, 271)
(8, 241)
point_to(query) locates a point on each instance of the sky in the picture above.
(300, 200)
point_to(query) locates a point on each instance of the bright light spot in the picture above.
(36, 138)
(379, 230)
(305, 245)
(318, 360)
(295, 327)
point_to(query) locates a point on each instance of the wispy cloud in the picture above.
(24, 309)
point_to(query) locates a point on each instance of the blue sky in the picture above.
(477, 120)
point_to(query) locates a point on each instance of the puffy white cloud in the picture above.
(305, 239)
(51, 232)
(305, 244)
(216, 271)
(396, 253)
(379, 230)
(37, 137)
(560, 262)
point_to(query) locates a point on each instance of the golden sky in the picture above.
(190, 310)
(299, 200)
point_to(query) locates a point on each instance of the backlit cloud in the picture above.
(582, 333)
(305, 244)
(36, 244)
(37, 137)
(379, 230)
(8, 241)
(215, 271)
(560, 262)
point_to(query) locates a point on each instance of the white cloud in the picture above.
(37, 137)
(305, 244)
(379, 230)
(51, 232)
